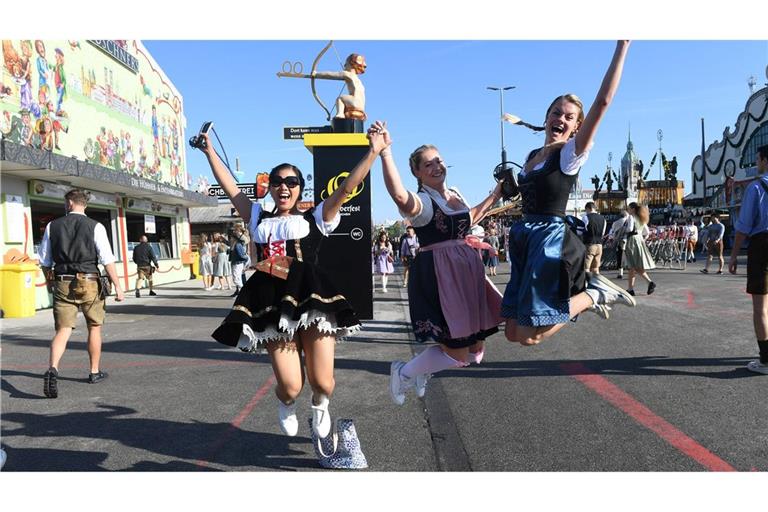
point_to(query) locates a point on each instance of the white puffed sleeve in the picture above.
(326, 228)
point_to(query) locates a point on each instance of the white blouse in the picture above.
(425, 211)
(287, 227)
(569, 162)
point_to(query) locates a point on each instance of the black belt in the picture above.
(69, 277)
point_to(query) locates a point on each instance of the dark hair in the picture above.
(715, 216)
(276, 170)
(762, 152)
(77, 196)
(590, 205)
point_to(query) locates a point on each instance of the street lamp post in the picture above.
(501, 118)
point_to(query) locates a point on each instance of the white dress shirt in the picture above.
(103, 249)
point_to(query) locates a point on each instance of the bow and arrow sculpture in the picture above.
(348, 106)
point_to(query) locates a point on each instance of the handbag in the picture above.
(277, 266)
(341, 448)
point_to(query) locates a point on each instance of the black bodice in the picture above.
(443, 227)
(545, 191)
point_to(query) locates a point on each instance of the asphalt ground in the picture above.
(657, 388)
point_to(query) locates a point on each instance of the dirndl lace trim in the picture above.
(253, 341)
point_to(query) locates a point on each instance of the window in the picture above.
(44, 212)
(162, 240)
(758, 138)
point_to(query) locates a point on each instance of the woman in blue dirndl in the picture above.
(548, 284)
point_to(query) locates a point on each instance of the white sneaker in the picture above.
(217, 287)
(609, 292)
(601, 310)
(757, 367)
(289, 424)
(398, 383)
(321, 418)
(420, 384)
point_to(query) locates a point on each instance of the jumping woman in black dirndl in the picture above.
(289, 305)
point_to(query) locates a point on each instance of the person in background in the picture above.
(692, 237)
(637, 257)
(408, 250)
(716, 231)
(220, 260)
(144, 257)
(238, 256)
(206, 262)
(493, 259)
(618, 236)
(593, 237)
(383, 255)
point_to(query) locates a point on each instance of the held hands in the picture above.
(379, 138)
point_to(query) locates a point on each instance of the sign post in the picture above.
(346, 254)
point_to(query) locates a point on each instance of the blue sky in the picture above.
(435, 92)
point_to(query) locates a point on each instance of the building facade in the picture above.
(99, 115)
(734, 156)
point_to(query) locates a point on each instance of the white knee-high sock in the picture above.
(384, 281)
(476, 357)
(431, 360)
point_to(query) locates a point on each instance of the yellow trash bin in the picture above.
(17, 296)
(196, 264)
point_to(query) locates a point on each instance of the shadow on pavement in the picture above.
(650, 365)
(46, 459)
(196, 441)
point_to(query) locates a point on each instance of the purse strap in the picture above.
(319, 445)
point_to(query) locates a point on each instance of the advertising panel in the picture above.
(346, 254)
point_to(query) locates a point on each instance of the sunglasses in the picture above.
(290, 181)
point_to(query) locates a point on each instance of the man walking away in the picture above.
(618, 234)
(71, 249)
(144, 257)
(753, 223)
(593, 238)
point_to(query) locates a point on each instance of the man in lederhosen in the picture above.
(70, 252)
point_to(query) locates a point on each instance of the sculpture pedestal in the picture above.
(341, 125)
(346, 253)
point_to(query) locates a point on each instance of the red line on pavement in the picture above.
(646, 417)
(203, 463)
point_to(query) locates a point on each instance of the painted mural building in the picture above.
(99, 115)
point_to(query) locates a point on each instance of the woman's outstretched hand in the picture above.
(379, 138)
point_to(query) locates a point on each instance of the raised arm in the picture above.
(332, 205)
(405, 201)
(227, 182)
(588, 127)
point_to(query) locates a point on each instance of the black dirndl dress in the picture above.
(269, 308)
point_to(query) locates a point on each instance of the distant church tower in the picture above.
(630, 174)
